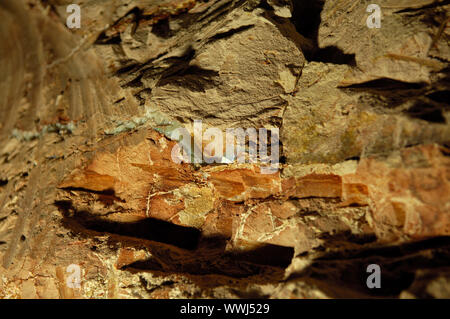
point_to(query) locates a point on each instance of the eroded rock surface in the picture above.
(87, 175)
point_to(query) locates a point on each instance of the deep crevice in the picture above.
(210, 255)
(306, 19)
(427, 112)
(228, 34)
(147, 229)
(333, 54)
(194, 78)
(343, 273)
(386, 84)
(429, 6)
(267, 258)
(440, 96)
(162, 29)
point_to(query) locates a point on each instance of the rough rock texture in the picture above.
(87, 177)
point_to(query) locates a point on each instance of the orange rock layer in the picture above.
(243, 204)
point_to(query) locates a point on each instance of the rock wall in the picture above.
(87, 176)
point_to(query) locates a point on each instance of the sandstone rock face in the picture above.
(88, 177)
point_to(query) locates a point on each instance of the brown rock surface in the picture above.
(86, 170)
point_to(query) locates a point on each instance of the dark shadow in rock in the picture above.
(266, 262)
(332, 54)
(306, 19)
(210, 268)
(131, 16)
(128, 68)
(267, 254)
(445, 150)
(425, 102)
(251, 293)
(428, 107)
(148, 229)
(388, 85)
(193, 78)
(182, 74)
(389, 93)
(228, 34)
(426, 111)
(435, 4)
(162, 29)
(181, 250)
(103, 39)
(440, 96)
(220, 265)
(343, 273)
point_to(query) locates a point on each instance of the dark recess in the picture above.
(343, 273)
(149, 229)
(427, 112)
(162, 29)
(268, 254)
(385, 84)
(440, 96)
(306, 19)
